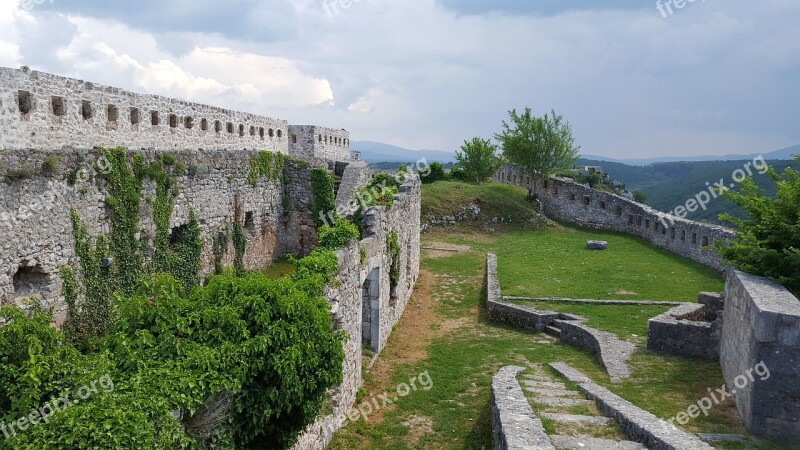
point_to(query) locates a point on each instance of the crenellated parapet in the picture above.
(43, 111)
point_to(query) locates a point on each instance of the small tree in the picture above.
(640, 196)
(538, 145)
(479, 160)
(436, 173)
(768, 242)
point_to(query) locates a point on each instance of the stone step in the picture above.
(574, 418)
(561, 401)
(589, 443)
(547, 392)
(553, 331)
(543, 384)
(536, 378)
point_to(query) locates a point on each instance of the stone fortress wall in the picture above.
(566, 200)
(49, 112)
(51, 128)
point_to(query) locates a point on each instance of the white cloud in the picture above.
(716, 76)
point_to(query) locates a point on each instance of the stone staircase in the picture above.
(571, 421)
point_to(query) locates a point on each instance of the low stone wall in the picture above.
(516, 315)
(612, 352)
(563, 199)
(638, 424)
(514, 424)
(671, 333)
(761, 334)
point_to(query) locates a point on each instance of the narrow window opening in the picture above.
(135, 117)
(113, 113)
(25, 102)
(173, 121)
(154, 119)
(59, 108)
(86, 110)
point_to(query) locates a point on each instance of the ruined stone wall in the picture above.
(310, 141)
(761, 325)
(48, 112)
(363, 264)
(37, 232)
(379, 223)
(565, 200)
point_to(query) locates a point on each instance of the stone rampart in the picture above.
(565, 200)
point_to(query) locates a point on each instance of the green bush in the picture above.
(768, 242)
(338, 236)
(436, 173)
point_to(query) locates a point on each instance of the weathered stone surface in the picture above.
(638, 424)
(670, 333)
(48, 112)
(514, 424)
(563, 199)
(760, 336)
(573, 418)
(587, 443)
(612, 352)
(596, 245)
(560, 401)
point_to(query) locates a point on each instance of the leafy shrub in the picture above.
(640, 196)
(436, 173)
(338, 236)
(768, 242)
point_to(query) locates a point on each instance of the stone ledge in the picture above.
(514, 424)
(638, 424)
(594, 302)
(612, 352)
(668, 333)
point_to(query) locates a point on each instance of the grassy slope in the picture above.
(446, 198)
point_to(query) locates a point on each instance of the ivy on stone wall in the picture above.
(324, 201)
(393, 248)
(219, 247)
(116, 263)
(266, 165)
(239, 245)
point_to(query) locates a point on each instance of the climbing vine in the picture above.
(239, 245)
(219, 247)
(265, 165)
(324, 203)
(116, 263)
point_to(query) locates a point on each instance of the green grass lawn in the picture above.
(555, 263)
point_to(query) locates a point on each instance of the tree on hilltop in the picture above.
(478, 158)
(539, 146)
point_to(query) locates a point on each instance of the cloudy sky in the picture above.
(713, 77)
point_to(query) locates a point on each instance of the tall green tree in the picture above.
(768, 242)
(538, 145)
(479, 159)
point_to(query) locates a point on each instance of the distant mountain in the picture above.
(778, 155)
(373, 152)
(670, 184)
